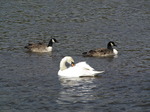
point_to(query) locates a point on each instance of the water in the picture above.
(29, 81)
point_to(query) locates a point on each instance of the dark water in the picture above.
(29, 81)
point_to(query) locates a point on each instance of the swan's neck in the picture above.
(62, 64)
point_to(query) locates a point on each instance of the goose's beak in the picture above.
(72, 64)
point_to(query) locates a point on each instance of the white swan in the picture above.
(81, 69)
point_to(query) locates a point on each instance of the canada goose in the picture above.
(103, 52)
(41, 47)
(81, 69)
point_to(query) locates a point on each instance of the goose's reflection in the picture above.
(76, 90)
(39, 54)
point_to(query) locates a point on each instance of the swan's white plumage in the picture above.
(81, 69)
(84, 65)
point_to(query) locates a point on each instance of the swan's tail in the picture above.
(94, 73)
(97, 72)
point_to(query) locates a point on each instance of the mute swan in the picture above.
(41, 47)
(81, 69)
(103, 52)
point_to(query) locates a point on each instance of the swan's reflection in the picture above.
(76, 90)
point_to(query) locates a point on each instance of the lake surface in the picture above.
(29, 81)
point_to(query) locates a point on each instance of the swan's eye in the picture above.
(72, 64)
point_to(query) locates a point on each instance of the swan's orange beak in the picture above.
(72, 64)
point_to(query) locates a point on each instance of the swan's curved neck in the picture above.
(62, 64)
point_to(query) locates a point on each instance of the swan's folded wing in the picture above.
(84, 65)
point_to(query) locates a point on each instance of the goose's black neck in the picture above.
(50, 43)
(109, 46)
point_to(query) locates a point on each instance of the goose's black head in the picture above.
(111, 44)
(53, 40)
